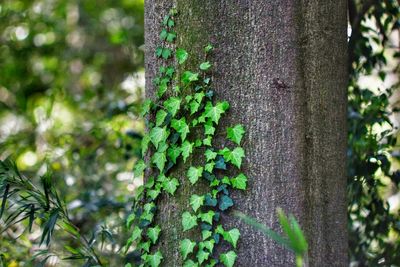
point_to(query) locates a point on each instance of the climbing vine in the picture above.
(185, 103)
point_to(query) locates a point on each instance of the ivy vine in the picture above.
(183, 102)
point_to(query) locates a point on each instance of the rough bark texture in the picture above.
(282, 66)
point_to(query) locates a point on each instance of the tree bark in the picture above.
(282, 65)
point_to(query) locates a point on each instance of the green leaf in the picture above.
(215, 112)
(188, 77)
(146, 106)
(235, 134)
(202, 256)
(170, 185)
(181, 127)
(239, 182)
(190, 263)
(235, 156)
(186, 149)
(225, 202)
(153, 233)
(205, 65)
(159, 51)
(228, 259)
(187, 247)
(170, 37)
(194, 174)
(154, 260)
(160, 117)
(166, 53)
(208, 48)
(209, 129)
(210, 155)
(209, 245)
(181, 55)
(188, 221)
(163, 34)
(140, 166)
(207, 141)
(172, 105)
(136, 233)
(207, 217)
(158, 134)
(145, 246)
(196, 202)
(173, 153)
(194, 107)
(153, 193)
(159, 158)
(232, 236)
(145, 144)
(205, 234)
(209, 166)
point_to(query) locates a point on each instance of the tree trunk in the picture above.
(282, 65)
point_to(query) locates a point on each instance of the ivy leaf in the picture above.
(159, 158)
(145, 144)
(154, 260)
(208, 48)
(166, 53)
(228, 259)
(186, 149)
(235, 156)
(139, 168)
(209, 129)
(188, 77)
(202, 256)
(232, 236)
(136, 233)
(163, 34)
(207, 217)
(239, 182)
(207, 141)
(153, 233)
(194, 107)
(181, 55)
(173, 153)
(188, 221)
(170, 185)
(209, 167)
(172, 105)
(205, 234)
(205, 65)
(187, 247)
(160, 117)
(181, 127)
(190, 263)
(153, 193)
(196, 202)
(235, 134)
(215, 112)
(159, 51)
(146, 106)
(158, 134)
(145, 246)
(194, 174)
(170, 37)
(210, 155)
(225, 202)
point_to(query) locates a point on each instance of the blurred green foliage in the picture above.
(71, 81)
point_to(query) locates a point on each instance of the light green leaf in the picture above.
(159, 158)
(207, 141)
(215, 112)
(170, 37)
(186, 149)
(194, 107)
(158, 134)
(187, 247)
(170, 185)
(181, 127)
(209, 129)
(209, 166)
(194, 174)
(235, 134)
(235, 156)
(228, 259)
(202, 256)
(181, 55)
(153, 233)
(207, 217)
(205, 234)
(190, 263)
(145, 144)
(232, 236)
(210, 155)
(239, 182)
(188, 221)
(154, 260)
(172, 105)
(196, 202)
(140, 166)
(146, 107)
(160, 117)
(136, 233)
(205, 65)
(166, 53)
(208, 48)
